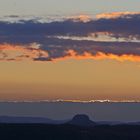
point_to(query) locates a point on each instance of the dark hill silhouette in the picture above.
(15, 119)
(81, 120)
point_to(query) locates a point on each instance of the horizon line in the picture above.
(69, 101)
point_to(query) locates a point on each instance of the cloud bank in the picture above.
(108, 36)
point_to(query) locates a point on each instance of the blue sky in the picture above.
(47, 7)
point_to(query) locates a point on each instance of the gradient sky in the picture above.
(70, 77)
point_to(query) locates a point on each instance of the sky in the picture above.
(69, 50)
(45, 7)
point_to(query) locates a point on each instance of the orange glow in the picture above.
(115, 14)
(83, 18)
(18, 53)
(71, 54)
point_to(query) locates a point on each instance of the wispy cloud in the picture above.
(108, 36)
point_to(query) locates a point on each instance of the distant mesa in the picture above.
(81, 120)
(77, 120)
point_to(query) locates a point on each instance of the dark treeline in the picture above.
(68, 132)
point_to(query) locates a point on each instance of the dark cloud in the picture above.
(50, 35)
(123, 26)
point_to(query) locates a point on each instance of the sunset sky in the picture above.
(69, 50)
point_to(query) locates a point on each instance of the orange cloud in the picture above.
(115, 14)
(33, 52)
(21, 52)
(71, 54)
(82, 18)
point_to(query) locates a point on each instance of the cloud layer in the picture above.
(109, 36)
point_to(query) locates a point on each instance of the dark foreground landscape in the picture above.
(68, 132)
(80, 127)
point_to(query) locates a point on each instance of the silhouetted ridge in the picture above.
(82, 120)
(19, 119)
